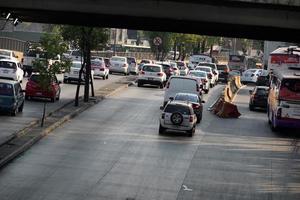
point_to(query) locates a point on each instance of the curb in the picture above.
(12, 155)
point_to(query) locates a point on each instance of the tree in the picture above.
(85, 39)
(52, 46)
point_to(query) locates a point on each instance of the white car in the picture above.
(184, 70)
(133, 67)
(152, 74)
(73, 74)
(210, 74)
(202, 78)
(11, 69)
(250, 75)
(175, 68)
(183, 84)
(213, 66)
(119, 64)
(8, 54)
(75, 55)
(179, 116)
(99, 68)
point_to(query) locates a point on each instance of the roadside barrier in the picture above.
(224, 107)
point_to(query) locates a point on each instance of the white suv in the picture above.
(11, 69)
(152, 74)
(180, 116)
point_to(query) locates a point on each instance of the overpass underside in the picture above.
(257, 19)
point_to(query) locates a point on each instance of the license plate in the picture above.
(5, 71)
(75, 72)
(150, 79)
(116, 65)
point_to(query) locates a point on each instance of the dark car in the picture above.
(11, 97)
(259, 97)
(223, 72)
(195, 100)
(168, 69)
(263, 79)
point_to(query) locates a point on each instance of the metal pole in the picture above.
(115, 41)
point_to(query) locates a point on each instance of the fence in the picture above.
(13, 44)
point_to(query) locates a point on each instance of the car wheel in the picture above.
(58, 97)
(199, 118)
(161, 129)
(161, 86)
(107, 76)
(14, 112)
(103, 77)
(65, 81)
(20, 109)
(139, 84)
(53, 99)
(110, 72)
(251, 107)
(273, 125)
(206, 91)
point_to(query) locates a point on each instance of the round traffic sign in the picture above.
(157, 41)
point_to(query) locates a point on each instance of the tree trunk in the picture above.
(80, 72)
(175, 50)
(203, 44)
(211, 50)
(44, 114)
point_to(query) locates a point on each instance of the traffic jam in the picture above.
(276, 89)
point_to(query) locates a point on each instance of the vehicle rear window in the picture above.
(149, 68)
(261, 91)
(291, 84)
(8, 65)
(203, 69)
(118, 59)
(130, 60)
(34, 78)
(183, 84)
(208, 65)
(198, 73)
(6, 89)
(222, 67)
(171, 108)
(4, 53)
(191, 98)
(96, 62)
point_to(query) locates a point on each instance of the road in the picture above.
(113, 151)
(33, 108)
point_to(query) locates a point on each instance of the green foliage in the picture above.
(52, 46)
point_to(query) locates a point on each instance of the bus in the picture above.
(284, 99)
(284, 57)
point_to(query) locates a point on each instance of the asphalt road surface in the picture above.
(33, 108)
(113, 151)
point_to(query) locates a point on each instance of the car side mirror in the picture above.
(250, 91)
(171, 98)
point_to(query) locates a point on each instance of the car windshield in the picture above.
(166, 67)
(96, 62)
(149, 68)
(34, 78)
(118, 59)
(185, 97)
(198, 73)
(172, 108)
(8, 65)
(6, 89)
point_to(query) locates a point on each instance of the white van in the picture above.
(180, 84)
(196, 59)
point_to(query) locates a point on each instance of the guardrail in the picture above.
(223, 106)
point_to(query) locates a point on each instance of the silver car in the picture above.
(179, 116)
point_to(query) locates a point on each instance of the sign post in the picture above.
(157, 41)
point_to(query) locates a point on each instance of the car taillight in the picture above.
(168, 85)
(191, 118)
(174, 69)
(142, 72)
(279, 113)
(196, 106)
(210, 76)
(198, 89)
(163, 115)
(204, 80)
(160, 74)
(124, 65)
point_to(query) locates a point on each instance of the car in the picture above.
(11, 69)
(97, 58)
(223, 70)
(99, 68)
(133, 67)
(8, 54)
(11, 97)
(210, 75)
(73, 73)
(119, 64)
(75, 55)
(152, 74)
(29, 57)
(184, 70)
(202, 78)
(263, 79)
(259, 97)
(179, 116)
(195, 100)
(167, 67)
(214, 68)
(107, 64)
(177, 84)
(146, 61)
(250, 75)
(233, 73)
(33, 88)
(175, 68)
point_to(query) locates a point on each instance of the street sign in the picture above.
(157, 41)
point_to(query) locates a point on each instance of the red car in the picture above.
(33, 89)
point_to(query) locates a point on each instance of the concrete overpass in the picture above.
(258, 19)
